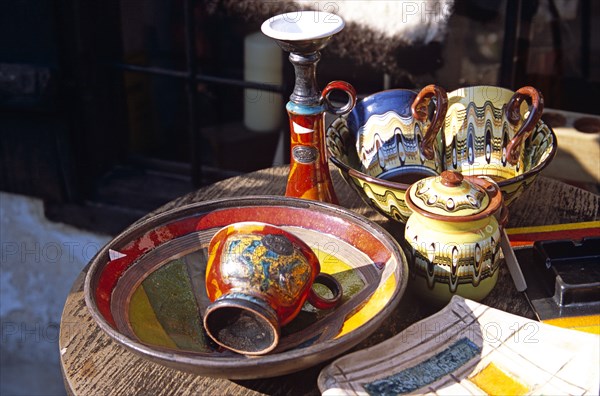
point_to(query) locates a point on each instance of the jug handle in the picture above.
(513, 114)
(419, 112)
(333, 285)
(347, 89)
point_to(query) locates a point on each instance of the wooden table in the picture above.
(93, 364)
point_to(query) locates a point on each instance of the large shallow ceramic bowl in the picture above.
(387, 196)
(146, 287)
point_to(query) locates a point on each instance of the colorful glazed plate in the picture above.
(146, 289)
(471, 349)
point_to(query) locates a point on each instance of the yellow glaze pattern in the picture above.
(588, 324)
(374, 305)
(494, 381)
(331, 264)
(476, 131)
(453, 237)
(144, 322)
(432, 196)
(453, 258)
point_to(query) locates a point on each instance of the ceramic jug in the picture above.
(258, 277)
(303, 35)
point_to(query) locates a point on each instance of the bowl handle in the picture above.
(513, 115)
(419, 112)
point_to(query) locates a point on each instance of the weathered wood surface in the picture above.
(93, 364)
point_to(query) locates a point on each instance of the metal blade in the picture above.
(512, 263)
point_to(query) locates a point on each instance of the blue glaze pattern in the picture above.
(426, 372)
(304, 109)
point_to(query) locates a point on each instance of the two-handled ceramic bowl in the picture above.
(393, 138)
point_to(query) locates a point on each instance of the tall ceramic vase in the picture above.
(304, 34)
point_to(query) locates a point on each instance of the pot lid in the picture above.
(453, 196)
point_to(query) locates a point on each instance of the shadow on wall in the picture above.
(39, 262)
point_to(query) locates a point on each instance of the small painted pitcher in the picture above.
(258, 277)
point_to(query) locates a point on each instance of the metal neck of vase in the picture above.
(305, 88)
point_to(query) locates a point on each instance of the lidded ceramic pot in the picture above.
(453, 236)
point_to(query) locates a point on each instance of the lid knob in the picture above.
(451, 178)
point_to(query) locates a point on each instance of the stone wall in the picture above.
(39, 261)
